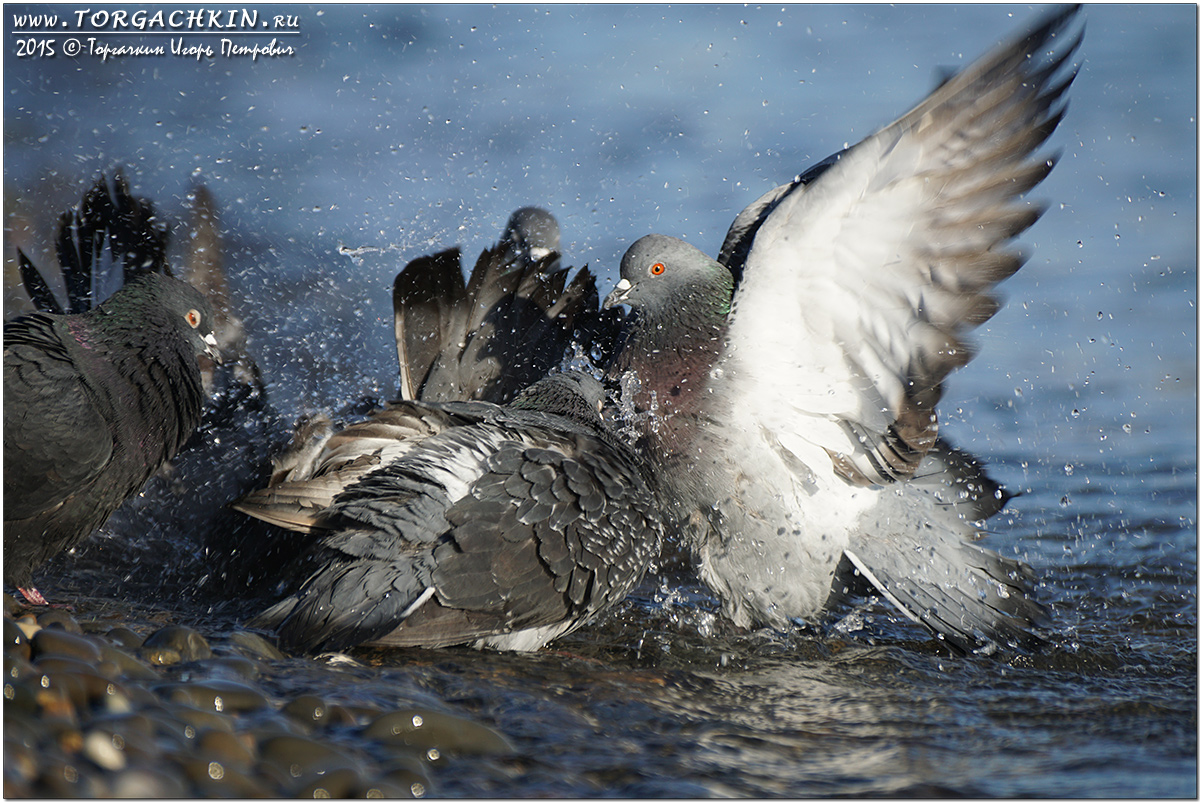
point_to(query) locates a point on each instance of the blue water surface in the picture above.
(394, 131)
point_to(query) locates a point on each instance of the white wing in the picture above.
(869, 274)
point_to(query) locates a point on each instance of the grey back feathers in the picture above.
(465, 522)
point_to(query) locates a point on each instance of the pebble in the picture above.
(255, 645)
(99, 748)
(60, 619)
(227, 748)
(125, 637)
(302, 756)
(193, 721)
(20, 763)
(232, 667)
(218, 695)
(11, 606)
(28, 625)
(405, 772)
(189, 643)
(335, 784)
(148, 782)
(16, 666)
(427, 730)
(213, 778)
(160, 655)
(95, 710)
(309, 710)
(53, 663)
(19, 697)
(63, 643)
(127, 665)
(340, 715)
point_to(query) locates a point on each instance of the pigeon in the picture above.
(786, 392)
(463, 522)
(97, 400)
(505, 328)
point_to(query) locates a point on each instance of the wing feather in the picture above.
(886, 258)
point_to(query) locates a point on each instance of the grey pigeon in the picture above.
(95, 402)
(788, 391)
(463, 522)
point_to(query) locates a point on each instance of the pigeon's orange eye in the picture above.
(657, 269)
(193, 318)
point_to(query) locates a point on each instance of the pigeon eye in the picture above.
(193, 318)
(657, 269)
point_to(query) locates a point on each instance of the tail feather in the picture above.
(917, 553)
(111, 229)
(429, 299)
(39, 291)
(503, 329)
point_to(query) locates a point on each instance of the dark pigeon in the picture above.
(787, 393)
(463, 522)
(96, 401)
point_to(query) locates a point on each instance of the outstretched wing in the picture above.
(886, 258)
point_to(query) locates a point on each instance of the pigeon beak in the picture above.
(210, 347)
(619, 295)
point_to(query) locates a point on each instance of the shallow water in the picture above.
(397, 131)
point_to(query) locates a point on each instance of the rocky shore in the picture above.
(99, 706)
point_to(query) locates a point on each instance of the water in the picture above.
(396, 131)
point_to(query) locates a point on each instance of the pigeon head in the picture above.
(664, 275)
(166, 300)
(533, 232)
(680, 300)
